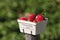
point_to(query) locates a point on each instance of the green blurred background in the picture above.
(10, 10)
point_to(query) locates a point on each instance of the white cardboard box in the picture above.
(32, 28)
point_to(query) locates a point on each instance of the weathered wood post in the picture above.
(32, 37)
(32, 30)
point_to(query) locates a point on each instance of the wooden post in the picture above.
(32, 37)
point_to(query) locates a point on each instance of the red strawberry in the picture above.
(40, 17)
(24, 18)
(31, 17)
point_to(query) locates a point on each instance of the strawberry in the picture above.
(23, 18)
(40, 17)
(31, 17)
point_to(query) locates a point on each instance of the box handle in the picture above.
(31, 32)
(23, 30)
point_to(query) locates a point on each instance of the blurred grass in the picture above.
(11, 9)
